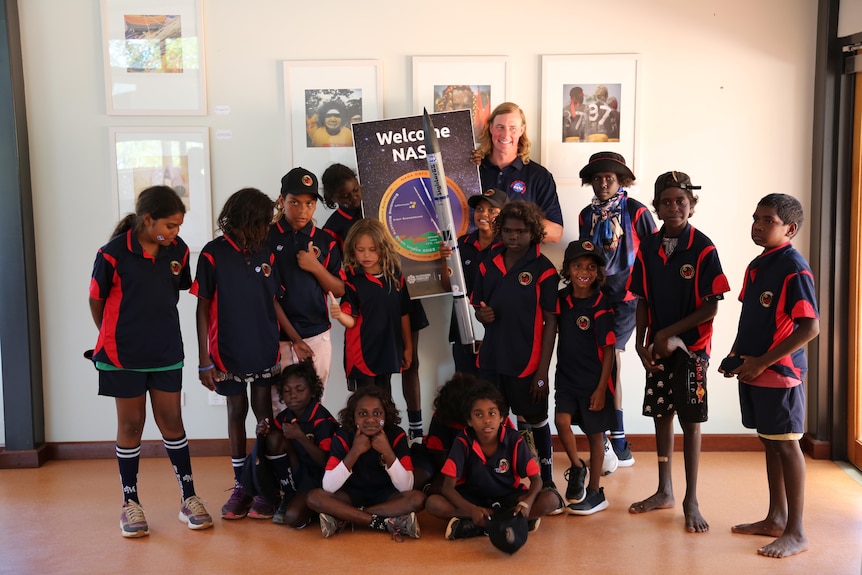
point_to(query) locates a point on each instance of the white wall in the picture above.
(723, 97)
(849, 18)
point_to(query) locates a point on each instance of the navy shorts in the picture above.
(516, 392)
(624, 322)
(127, 384)
(360, 497)
(418, 319)
(577, 404)
(773, 410)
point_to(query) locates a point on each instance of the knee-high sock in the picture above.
(618, 433)
(545, 450)
(178, 453)
(128, 459)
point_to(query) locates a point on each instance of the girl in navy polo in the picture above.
(369, 475)
(374, 310)
(137, 277)
(306, 429)
(238, 318)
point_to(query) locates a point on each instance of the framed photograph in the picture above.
(322, 100)
(154, 57)
(174, 157)
(475, 83)
(588, 105)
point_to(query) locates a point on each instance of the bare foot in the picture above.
(764, 527)
(694, 521)
(655, 501)
(785, 546)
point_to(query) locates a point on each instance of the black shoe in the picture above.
(577, 478)
(462, 529)
(624, 456)
(595, 501)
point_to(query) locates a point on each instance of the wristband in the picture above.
(207, 368)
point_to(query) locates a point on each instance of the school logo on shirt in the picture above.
(265, 269)
(316, 251)
(686, 271)
(519, 186)
(176, 267)
(766, 299)
(502, 466)
(525, 278)
(583, 322)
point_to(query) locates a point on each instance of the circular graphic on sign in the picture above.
(407, 209)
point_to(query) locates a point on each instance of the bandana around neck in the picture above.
(607, 226)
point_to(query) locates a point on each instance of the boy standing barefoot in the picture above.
(779, 316)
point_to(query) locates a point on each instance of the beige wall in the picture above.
(723, 96)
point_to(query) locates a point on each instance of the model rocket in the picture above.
(446, 223)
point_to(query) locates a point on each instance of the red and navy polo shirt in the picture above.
(530, 182)
(585, 327)
(304, 303)
(140, 325)
(340, 222)
(778, 290)
(369, 471)
(318, 425)
(640, 226)
(374, 345)
(512, 344)
(242, 288)
(495, 477)
(677, 285)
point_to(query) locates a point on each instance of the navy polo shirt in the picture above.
(241, 288)
(529, 182)
(140, 325)
(374, 346)
(441, 434)
(340, 222)
(640, 226)
(512, 344)
(369, 472)
(318, 425)
(471, 255)
(677, 285)
(585, 327)
(778, 290)
(304, 303)
(495, 477)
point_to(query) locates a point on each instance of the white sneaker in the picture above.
(611, 462)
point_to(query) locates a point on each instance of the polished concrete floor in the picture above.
(64, 518)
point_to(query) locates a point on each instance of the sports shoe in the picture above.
(132, 520)
(533, 524)
(577, 478)
(611, 462)
(330, 526)
(624, 456)
(194, 514)
(459, 528)
(403, 525)
(238, 505)
(594, 502)
(261, 509)
(561, 505)
(414, 436)
(278, 516)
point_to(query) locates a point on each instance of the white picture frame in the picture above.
(178, 157)
(438, 79)
(154, 57)
(612, 76)
(354, 90)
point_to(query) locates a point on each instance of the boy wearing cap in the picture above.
(585, 365)
(779, 316)
(473, 247)
(309, 262)
(678, 280)
(617, 224)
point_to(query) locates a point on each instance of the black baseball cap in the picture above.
(300, 181)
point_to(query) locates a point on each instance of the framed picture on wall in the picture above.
(445, 84)
(589, 104)
(154, 57)
(175, 157)
(322, 100)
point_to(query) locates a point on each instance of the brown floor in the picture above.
(63, 518)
